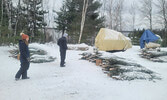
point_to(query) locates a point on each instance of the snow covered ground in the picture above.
(79, 80)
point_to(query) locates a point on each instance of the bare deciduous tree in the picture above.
(114, 11)
(162, 12)
(17, 17)
(132, 12)
(117, 18)
(110, 12)
(146, 11)
(120, 4)
(105, 10)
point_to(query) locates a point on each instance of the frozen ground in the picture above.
(79, 80)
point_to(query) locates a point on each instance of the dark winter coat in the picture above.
(62, 42)
(24, 52)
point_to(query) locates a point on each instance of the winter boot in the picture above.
(26, 78)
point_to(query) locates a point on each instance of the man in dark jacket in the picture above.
(24, 57)
(62, 42)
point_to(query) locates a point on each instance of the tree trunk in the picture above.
(8, 13)
(146, 10)
(18, 15)
(111, 14)
(120, 13)
(151, 16)
(85, 6)
(133, 14)
(1, 17)
(43, 22)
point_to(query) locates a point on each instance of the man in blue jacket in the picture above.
(62, 42)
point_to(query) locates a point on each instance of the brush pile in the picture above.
(36, 55)
(78, 47)
(155, 56)
(120, 68)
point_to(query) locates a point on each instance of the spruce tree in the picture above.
(33, 17)
(61, 20)
(4, 19)
(73, 14)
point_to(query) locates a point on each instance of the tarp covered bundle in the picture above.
(147, 37)
(110, 40)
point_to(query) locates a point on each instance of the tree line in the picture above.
(27, 16)
(151, 14)
(74, 17)
(82, 19)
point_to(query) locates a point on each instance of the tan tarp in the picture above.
(109, 40)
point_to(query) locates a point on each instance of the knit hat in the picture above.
(65, 35)
(24, 36)
(21, 33)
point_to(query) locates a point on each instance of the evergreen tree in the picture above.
(93, 23)
(73, 14)
(61, 20)
(27, 16)
(32, 17)
(4, 19)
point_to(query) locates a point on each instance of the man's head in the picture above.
(65, 35)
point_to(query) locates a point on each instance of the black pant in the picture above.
(63, 56)
(23, 70)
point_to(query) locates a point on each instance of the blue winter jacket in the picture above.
(62, 42)
(24, 52)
